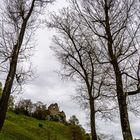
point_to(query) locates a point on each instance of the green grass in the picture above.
(20, 127)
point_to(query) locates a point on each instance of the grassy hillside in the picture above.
(20, 127)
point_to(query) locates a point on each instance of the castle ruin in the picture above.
(55, 114)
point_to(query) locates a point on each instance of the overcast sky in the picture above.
(49, 88)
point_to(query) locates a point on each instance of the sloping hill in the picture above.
(20, 127)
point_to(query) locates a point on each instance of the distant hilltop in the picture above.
(38, 110)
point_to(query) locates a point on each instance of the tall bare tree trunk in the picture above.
(18, 14)
(125, 125)
(12, 71)
(92, 120)
(126, 131)
(7, 87)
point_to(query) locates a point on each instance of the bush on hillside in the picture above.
(40, 125)
(11, 103)
(24, 106)
(77, 133)
(40, 111)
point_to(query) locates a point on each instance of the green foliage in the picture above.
(73, 120)
(21, 127)
(37, 110)
(55, 118)
(87, 136)
(40, 111)
(11, 103)
(24, 106)
(40, 125)
(76, 132)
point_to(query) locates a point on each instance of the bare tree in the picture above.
(24, 106)
(75, 48)
(18, 22)
(115, 25)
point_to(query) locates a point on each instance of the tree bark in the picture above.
(125, 125)
(8, 87)
(12, 71)
(126, 131)
(13, 67)
(92, 119)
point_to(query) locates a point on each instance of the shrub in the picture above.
(40, 125)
